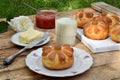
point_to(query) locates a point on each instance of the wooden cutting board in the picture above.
(104, 7)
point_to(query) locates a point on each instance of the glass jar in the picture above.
(45, 18)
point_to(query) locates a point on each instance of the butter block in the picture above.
(29, 35)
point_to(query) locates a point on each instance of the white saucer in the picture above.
(15, 40)
(82, 62)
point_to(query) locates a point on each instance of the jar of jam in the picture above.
(45, 19)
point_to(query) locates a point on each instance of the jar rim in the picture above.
(46, 10)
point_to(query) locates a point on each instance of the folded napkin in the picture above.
(97, 46)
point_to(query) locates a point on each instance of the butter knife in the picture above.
(10, 59)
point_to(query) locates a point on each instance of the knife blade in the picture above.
(10, 59)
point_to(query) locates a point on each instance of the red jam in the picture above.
(45, 20)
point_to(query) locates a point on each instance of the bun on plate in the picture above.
(57, 57)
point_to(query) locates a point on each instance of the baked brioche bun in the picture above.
(115, 33)
(108, 18)
(57, 57)
(83, 17)
(96, 29)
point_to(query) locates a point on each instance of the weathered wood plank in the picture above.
(103, 7)
(105, 72)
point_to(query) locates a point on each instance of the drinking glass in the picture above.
(65, 28)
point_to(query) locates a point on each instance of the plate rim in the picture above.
(59, 75)
(12, 39)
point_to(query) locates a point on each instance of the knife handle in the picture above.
(10, 59)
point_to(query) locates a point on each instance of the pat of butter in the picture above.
(29, 35)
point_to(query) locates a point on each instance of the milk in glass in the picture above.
(66, 29)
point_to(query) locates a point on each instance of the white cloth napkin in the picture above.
(97, 46)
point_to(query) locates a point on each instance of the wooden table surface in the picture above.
(106, 66)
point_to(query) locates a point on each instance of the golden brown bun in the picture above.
(115, 32)
(57, 57)
(102, 17)
(96, 29)
(114, 18)
(108, 18)
(83, 17)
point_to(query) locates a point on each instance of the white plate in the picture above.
(15, 40)
(82, 62)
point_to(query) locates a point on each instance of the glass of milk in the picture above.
(65, 28)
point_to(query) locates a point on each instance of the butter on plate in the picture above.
(29, 35)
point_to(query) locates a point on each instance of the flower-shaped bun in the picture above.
(57, 57)
(83, 17)
(96, 29)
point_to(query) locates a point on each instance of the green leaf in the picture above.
(3, 26)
